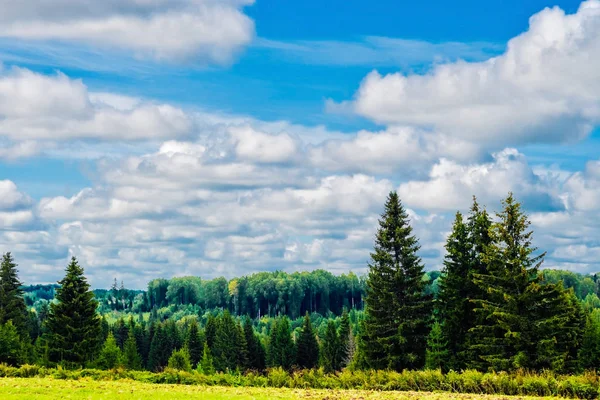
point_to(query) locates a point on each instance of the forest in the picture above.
(492, 308)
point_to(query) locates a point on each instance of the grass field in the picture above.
(49, 388)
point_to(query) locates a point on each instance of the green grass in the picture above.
(49, 388)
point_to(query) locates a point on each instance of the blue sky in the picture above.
(226, 137)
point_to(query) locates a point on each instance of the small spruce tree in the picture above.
(307, 356)
(110, 355)
(12, 305)
(131, 355)
(180, 360)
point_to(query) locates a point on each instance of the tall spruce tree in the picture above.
(330, 349)
(12, 304)
(131, 356)
(524, 322)
(160, 350)
(398, 310)
(229, 350)
(281, 351)
(195, 343)
(307, 356)
(437, 348)
(453, 306)
(589, 354)
(345, 336)
(256, 352)
(73, 323)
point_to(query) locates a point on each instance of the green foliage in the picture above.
(206, 365)
(10, 344)
(589, 354)
(73, 324)
(307, 355)
(281, 352)
(345, 351)
(160, 349)
(12, 304)
(131, 356)
(195, 343)
(229, 349)
(330, 349)
(180, 360)
(398, 310)
(256, 351)
(110, 355)
(437, 348)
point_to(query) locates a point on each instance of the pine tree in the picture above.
(437, 348)
(131, 355)
(330, 348)
(180, 360)
(195, 344)
(453, 304)
(345, 336)
(229, 350)
(12, 305)
(73, 324)
(398, 310)
(307, 356)
(110, 355)
(281, 347)
(210, 330)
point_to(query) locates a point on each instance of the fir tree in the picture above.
(110, 355)
(206, 365)
(229, 349)
(281, 347)
(345, 336)
(195, 344)
(330, 348)
(131, 355)
(256, 352)
(10, 344)
(437, 352)
(453, 304)
(398, 311)
(589, 354)
(12, 305)
(160, 350)
(307, 356)
(180, 360)
(73, 324)
(210, 331)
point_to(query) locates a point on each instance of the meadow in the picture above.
(50, 388)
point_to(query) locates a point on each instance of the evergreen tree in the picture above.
(160, 350)
(229, 349)
(330, 348)
(12, 305)
(73, 324)
(206, 365)
(121, 332)
(307, 356)
(180, 359)
(195, 344)
(437, 348)
(10, 344)
(256, 352)
(131, 356)
(398, 310)
(210, 330)
(525, 322)
(110, 355)
(589, 354)
(281, 347)
(345, 337)
(453, 304)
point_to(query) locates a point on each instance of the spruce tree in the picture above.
(12, 305)
(10, 344)
(210, 331)
(437, 348)
(73, 324)
(281, 347)
(229, 350)
(330, 348)
(160, 350)
(195, 344)
(307, 356)
(256, 352)
(180, 360)
(453, 304)
(398, 310)
(131, 356)
(110, 355)
(206, 365)
(589, 354)
(345, 337)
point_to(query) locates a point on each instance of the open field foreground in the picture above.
(49, 388)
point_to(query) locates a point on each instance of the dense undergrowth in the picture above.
(521, 383)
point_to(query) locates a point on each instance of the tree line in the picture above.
(490, 308)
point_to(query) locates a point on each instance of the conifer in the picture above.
(12, 305)
(308, 348)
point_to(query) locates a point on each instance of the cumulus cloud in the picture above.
(36, 107)
(544, 88)
(451, 185)
(206, 30)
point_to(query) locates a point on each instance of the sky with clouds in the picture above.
(160, 138)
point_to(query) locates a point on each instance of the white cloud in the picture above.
(205, 30)
(544, 88)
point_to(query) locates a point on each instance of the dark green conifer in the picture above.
(12, 305)
(110, 355)
(345, 338)
(330, 349)
(398, 310)
(131, 356)
(256, 352)
(160, 349)
(195, 344)
(281, 351)
(73, 324)
(437, 348)
(589, 354)
(307, 356)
